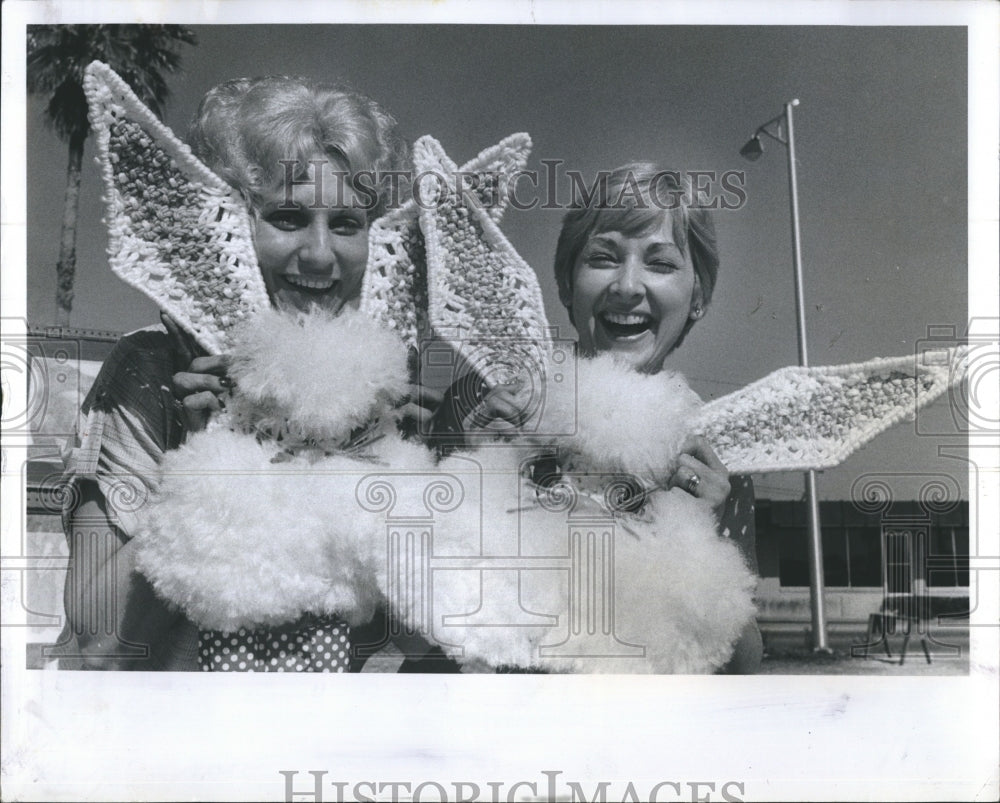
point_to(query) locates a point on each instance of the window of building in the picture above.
(948, 557)
(793, 556)
(859, 552)
(852, 556)
(899, 562)
(865, 556)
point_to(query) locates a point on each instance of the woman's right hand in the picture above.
(202, 386)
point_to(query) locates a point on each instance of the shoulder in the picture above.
(150, 344)
(130, 418)
(139, 362)
(132, 399)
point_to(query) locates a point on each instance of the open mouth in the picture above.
(315, 286)
(621, 325)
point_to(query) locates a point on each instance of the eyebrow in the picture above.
(611, 241)
(283, 205)
(601, 239)
(291, 205)
(664, 246)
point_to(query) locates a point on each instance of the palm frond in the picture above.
(140, 54)
(57, 56)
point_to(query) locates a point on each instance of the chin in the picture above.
(632, 351)
(633, 357)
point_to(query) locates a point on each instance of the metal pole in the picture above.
(816, 600)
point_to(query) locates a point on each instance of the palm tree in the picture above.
(57, 57)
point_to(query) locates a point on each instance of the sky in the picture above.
(881, 134)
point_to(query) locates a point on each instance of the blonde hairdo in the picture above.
(244, 128)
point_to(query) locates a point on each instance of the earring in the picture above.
(697, 312)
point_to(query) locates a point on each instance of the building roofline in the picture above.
(73, 332)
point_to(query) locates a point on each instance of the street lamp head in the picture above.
(753, 149)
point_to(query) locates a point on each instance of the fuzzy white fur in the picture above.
(238, 540)
(314, 377)
(238, 535)
(681, 594)
(612, 418)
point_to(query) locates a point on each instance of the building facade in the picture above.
(876, 559)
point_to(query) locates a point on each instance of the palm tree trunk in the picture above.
(66, 267)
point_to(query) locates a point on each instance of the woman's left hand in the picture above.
(700, 473)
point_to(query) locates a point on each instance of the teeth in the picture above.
(309, 284)
(628, 320)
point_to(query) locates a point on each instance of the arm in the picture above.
(747, 653)
(117, 619)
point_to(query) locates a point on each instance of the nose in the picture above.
(316, 255)
(627, 284)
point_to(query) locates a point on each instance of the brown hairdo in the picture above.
(633, 201)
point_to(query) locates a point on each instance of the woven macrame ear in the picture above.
(482, 297)
(395, 287)
(797, 419)
(176, 231)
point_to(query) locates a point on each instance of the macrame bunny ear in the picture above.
(487, 175)
(177, 232)
(797, 419)
(482, 296)
(395, 289)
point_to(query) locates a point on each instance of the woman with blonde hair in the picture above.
(295, 149)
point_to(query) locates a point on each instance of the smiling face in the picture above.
(312, 240)
(634, 294)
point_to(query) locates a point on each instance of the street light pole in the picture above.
(753, 150)
(817, 603)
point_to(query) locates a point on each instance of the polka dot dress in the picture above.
(309, 645)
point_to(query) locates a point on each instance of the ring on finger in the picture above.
(693, 482)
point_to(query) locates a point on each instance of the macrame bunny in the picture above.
(304, 498)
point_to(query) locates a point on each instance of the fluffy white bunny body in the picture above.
(261, 522)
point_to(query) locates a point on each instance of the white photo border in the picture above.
(106, 736)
